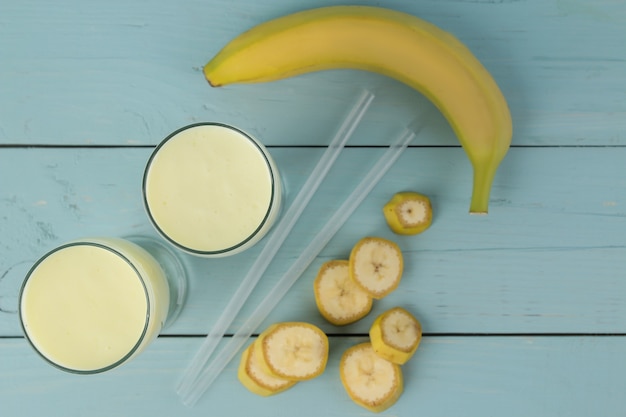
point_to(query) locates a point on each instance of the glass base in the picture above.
(174, 272)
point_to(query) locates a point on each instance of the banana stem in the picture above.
(483, 179)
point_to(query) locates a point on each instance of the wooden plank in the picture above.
(460, 376)
(129, 73)
(548, 258)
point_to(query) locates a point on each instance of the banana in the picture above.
(391, 43)
(408, 213)
(370, 380)
(376, 265)
(339, 299)
(252, 375)
(296, 351)
(395, 335)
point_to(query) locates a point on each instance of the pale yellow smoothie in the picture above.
(91, 305)
(212, 190)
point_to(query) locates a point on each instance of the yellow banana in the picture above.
(391, 43)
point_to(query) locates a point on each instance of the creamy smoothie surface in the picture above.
(89, 305)
(210, 188)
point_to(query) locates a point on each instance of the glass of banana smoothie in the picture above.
(93, 304)
(212, 190)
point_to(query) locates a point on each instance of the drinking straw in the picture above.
(208, 375)
(274, 242)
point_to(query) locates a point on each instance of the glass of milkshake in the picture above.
(212, 190)
(91, 305)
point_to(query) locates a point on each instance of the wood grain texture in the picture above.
(121, 72)
(460, 376)
(548, 258)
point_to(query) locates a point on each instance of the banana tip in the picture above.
(213, 84)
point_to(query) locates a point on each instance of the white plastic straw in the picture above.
(274, 242)
(298, 267)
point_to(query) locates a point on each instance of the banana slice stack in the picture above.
(253, 376)
(282, 355)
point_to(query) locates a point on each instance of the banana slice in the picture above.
(339, 299)
(294, 350)
(370, 380)
(376, 265)
(408, 213)
(395, 335)
(253, 376)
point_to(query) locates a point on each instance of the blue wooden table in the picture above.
(524, 310)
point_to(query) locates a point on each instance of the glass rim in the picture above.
(268, 163)
(126, 356)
